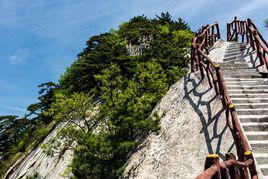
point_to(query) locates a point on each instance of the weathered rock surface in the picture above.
(46, 167)
(192, 125)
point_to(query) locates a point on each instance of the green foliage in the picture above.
(73, 109)
(105, 98)
(101, 51)
(136, 28)
(266, 23)
(46, 98)
(19, 136)
(76, 114)
(129, 88)
(11, 130)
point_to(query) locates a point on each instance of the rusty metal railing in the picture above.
(249, 30)
(200, 60)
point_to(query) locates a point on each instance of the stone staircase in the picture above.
(249, 92)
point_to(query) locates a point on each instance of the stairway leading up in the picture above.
(249, 92)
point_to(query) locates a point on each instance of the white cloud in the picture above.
(19, 57)
(15, 59)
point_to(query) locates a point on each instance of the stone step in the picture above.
(252, 118)
(247, 70)
(233, 46)
(244, 79)
(250, 105)
(262, 158)
(233, 49)
(228, 53)
(235, 61)
(247, 84)
(264, 169)
(259, 146)
(227, 57)
(244, 95)
(255, 126)
(246, 87)
(257, 82)
(243, 75)
(257, 135)
(247, 91)
(238, 63)
(260, 111)
(234, 67)
(261, 86)
(232, 58)
(249, 100)
(223, 68)
(234, 55)
(239, 74)
(238, 56)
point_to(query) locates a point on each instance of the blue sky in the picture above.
(40, 38)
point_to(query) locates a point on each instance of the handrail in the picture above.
(215, 168)
(254, 38)
(201, 61)
(238, 27)
(208, 36)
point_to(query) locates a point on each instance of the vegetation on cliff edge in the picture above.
(124, 88)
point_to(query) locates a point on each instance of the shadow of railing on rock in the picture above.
(207, 118)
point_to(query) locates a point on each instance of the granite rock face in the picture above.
(37, 162)
(193, 125)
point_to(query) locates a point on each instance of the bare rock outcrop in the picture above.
(193, 125)
(40, 165)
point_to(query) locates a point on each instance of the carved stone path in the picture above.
(249, 92)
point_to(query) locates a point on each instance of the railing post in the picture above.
(243, 31)
(228, 32)
(236, 32)
(227, 114)
(252, 168)
(192, 59)
(212, 35)
(238, 141)
(219, 80)
(207, 71)
(218, 30)
(247, 31)
(207, 40)
(212, 159)
(251, 37)
(259, 52)
(265, 59)
(216, 86)
(239, 147)
(192, 55)
(198, 56)
(233, 170)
